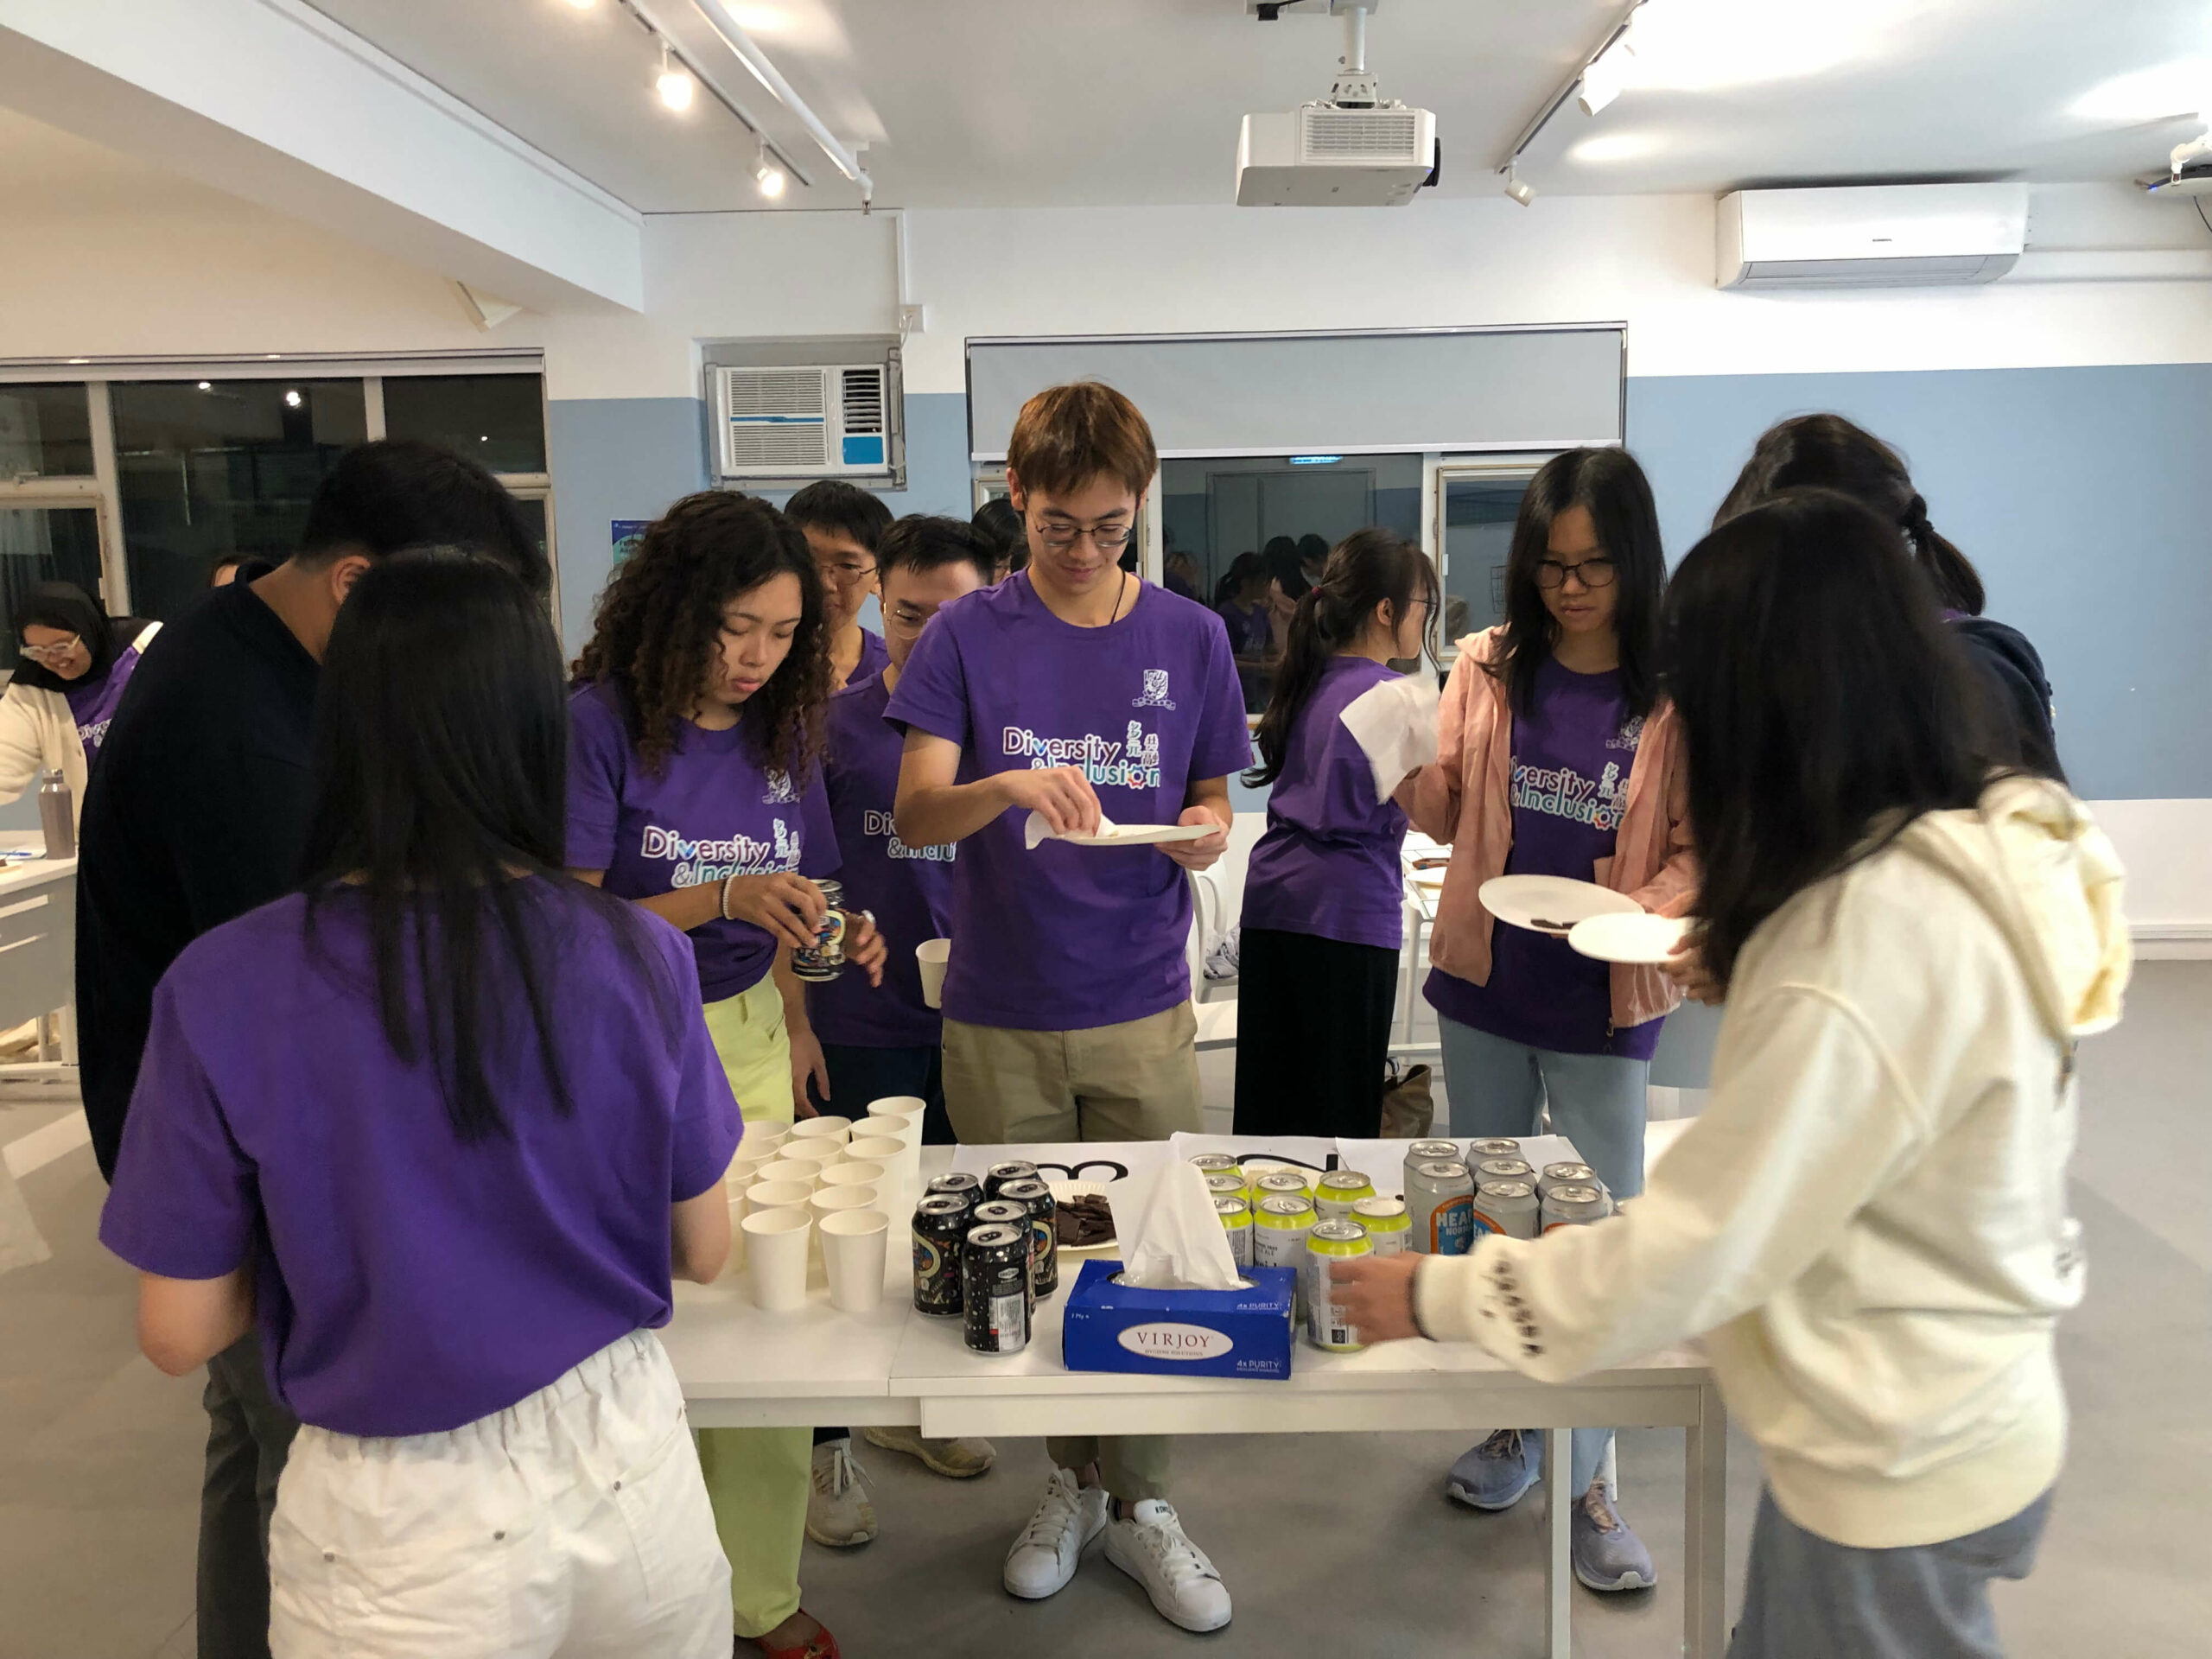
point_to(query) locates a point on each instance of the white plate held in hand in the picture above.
(1551, 904)
(1642, 938)
(1110, 834)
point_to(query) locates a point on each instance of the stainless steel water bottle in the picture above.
(55, 816)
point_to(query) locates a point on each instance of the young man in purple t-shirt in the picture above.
(1076, 692)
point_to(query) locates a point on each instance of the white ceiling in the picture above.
(1078, 103)
(1075, 102)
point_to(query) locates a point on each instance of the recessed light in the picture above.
(206, 385)
(293, 400)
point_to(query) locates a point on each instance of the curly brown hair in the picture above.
(659, 622)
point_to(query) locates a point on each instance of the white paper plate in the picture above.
(1062, 1191)
(1641, 937)
(1140, 834)
(1551, 904)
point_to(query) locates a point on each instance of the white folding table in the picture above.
(744, 1368)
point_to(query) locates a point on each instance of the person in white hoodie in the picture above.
(75, 661)
(1868, 1225)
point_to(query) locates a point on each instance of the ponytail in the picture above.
(1368, 568)
(1957, 583)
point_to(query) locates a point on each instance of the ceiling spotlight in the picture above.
(206, 385)
(1519, 188)
(583, 5)
(767, 175)
(293, 400)
(1602, 81)
(674, 83)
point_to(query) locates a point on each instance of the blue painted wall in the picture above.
(615, 458)
(2080, 494)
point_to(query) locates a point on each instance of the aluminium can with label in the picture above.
(940, 1227)
(1331, 1242)
(1440, 1198)
(1219, 1163)
(1507, 1208)
(1006, 1212)
(1013, 1169)
(1279, 1183)
(1428, 1152)
(1222, 1184)
(824, 959)
(994, 1287)
(1569, 1206)
(1497, 1146)
(1280, 1223)
(1565, 1175)
(1337, 1190)
(1504, 1169)
(1390, 1229)
(1237, 1221)
(1043, 1221)
(957, 1183)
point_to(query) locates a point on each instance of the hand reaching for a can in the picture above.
(1375, 1295)
(785, 906)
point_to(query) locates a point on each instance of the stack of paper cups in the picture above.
(832, 1131)
(897, 1117)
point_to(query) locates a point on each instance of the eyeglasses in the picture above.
(906, 618)
(843, 572)
(1059, 535)
(1591, 573)
(58, 652)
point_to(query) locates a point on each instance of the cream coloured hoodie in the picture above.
(1868, 1224)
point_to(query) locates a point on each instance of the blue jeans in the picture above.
(1498, 1087)
(858, 1076)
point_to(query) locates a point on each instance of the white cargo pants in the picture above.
(574, 1523)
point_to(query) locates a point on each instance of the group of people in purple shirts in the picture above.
(415, 1058)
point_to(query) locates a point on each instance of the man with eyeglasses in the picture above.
(1076, 691)
(844, 525)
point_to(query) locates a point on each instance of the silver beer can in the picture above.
(1565, 1175)
(1569, 1206)
(1504, 1169)
(1440, 1198)
(1497, 1147)
(1509, 1209)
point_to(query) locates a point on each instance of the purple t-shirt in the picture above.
(1069, 938)
(713, 812)
(875, 656)
(908, 889)
(94, 706)
(406, 1282)
(1572, 754)
(1328, 863)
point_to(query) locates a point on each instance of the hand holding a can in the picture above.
(1375, 1293)
(785, 905)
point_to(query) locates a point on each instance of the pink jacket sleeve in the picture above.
(1431, 797)
(1673, 887)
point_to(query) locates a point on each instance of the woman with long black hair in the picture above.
(1558, 756)
(695, 791)
(1868, 1223)
(446, 1123)
(1323, 897)
(1828, 452)
(76, 660)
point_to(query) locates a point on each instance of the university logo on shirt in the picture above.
(781, 790)
(873, 823)
(702, 860)
(1630, 734)
(1155, 691)
(1133, 763)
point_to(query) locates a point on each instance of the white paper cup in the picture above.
(831, 1200)
(776, 1195)
(735, 1264)
(932, 955)
(821, 1153)
(775, 1265)
(856, 1248)
(853, 1174)
(806, 1173)
(761, 1140)
(874, 1149)
(835, 1129)
(742, 1171)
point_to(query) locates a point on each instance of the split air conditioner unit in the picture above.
(810, 422)
(1877, 235)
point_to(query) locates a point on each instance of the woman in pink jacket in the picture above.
(1558, 757)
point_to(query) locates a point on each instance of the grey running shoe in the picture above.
(1608, 1555)
(1496, 1474)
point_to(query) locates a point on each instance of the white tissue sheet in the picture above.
(1395, 724)
(1034, 830)
(1170, 1237)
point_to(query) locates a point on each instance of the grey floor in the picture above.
(1342, 1543)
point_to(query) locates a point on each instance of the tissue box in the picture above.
(1112, 1327)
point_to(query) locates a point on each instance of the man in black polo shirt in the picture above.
(197, 814)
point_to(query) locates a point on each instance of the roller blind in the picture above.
(1449, 390)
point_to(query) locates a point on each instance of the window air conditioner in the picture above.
(1872, 236)
(804, 422)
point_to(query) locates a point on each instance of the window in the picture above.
(44, 432)
(44, 544)
(1286, 512)
(212, 467)
(498, 420)
(1477, 505)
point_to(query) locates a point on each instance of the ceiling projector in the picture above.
(1348, 149)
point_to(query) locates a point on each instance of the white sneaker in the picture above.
(1149, 1543)
(838, 1514)
(1051, 1546)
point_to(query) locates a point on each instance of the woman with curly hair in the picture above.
(694, 790)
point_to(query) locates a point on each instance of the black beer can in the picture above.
(996, 1177)
(940, 1228)
(1009, 1212)
(1043, 1222)
(994, 1274)
(960, 1184)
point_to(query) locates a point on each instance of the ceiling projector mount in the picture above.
(1353, 149)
